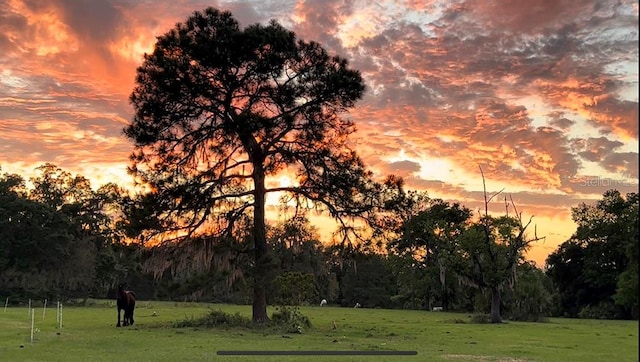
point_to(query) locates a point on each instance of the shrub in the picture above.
(481, 318)
(216, 318)
(284, 319)
(290, 318)
(602, 310)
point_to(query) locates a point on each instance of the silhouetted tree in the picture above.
(596, 271)
(41, 252)
(490, 250)
(429, 239)
(218, 109)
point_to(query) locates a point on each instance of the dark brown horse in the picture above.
(126, 301)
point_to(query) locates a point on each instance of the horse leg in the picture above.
(131, 315)
(126, 316)
(118, 325)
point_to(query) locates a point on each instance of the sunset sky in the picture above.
(542, 94)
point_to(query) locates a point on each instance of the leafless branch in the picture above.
(487, 201)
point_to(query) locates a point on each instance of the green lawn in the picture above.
(89, 334)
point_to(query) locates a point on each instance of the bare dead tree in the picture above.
(499, 252)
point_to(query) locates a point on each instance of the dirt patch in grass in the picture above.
(468, 357)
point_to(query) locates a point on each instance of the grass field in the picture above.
(89, 334)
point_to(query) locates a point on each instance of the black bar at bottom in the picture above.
(317, 353)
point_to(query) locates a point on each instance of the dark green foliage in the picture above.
(284, 319)
(412, 282)
(60, 239)
(43, 254)
(602, 310)
(215, 318)
(297, 252)
(564, 267)
(423, 255)
(294, 288)
(367, 279)
(481, 318)
(208, 286)
(201, 269)
(291, 319)
(627, 288)
(596, 271)
(530, 299)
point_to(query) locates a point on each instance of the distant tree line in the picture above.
(61, 239)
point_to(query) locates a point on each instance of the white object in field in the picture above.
(33, 314)
(59, 315)
(323, 302)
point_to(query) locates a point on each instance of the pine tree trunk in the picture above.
(495, 305)
(260, 244)
(259, 304)
(443, 284)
